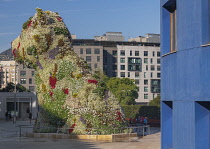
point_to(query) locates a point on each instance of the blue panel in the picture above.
(183, 125)
(202, 127)
(205, 22)
(166, 126)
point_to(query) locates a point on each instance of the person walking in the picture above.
(145, 123)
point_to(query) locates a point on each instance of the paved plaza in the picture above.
(10, 139)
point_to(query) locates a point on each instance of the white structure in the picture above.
(151, 38)
(141, 63)
(110, 36)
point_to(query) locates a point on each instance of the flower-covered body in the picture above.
(64, 82)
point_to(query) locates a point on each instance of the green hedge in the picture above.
(133, 111)
(152, 112)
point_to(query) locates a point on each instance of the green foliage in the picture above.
(124, 90)
(155, 102)
(32, 51)
(131, 111)
(152, 112)
(25, 25)
(11, 86)
(65, 69)
(59, 31)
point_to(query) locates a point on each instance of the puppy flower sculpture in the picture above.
(65, 86)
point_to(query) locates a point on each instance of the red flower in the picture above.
(119, 116)
(53, 81)
(51, 93)
(72, 128)
(59, 18)
(14, 52)
(66, 90)
(92, 81)
(18, 45)
(29, 24)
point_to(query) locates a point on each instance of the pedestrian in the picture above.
(145, 123)
(6, 115)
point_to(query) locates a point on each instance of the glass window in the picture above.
(114, 67)
(146, 89)
(32, 73)
(134, 60)
(88, 51)
(97, 51)
(114, 74)
(158, 68)
(98, 58)
(130, 53)
(145, 74)
(145, 53)
(153, 53)
(122, 67)
(158, 61)
(32, 88)
(88, 58)
(114, 59)
(146, 60)
(145, 96)
(137, 81)
(158, 54)
(151, 75)
(122, 74)
(158, 75)
(152, 67)
(89, 64)
(114, 53)
(95, 65)
(136, 74)
(136, 53)
(30, 80)
(128, 74)
(122, 60)
(151, 60)
(22, 73)
(122, 52)
(134, 67)
(145, 82)
(23, 81)
(146, 67)
(81, 51)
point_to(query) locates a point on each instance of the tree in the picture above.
(11, 86)
(155, 101)
(124, 90)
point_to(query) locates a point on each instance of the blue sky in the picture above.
(85, 18)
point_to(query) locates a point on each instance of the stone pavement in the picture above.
(9, 139)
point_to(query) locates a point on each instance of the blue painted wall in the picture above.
(185, 76)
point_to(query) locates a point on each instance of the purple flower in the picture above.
(52, 53)
(39, 64)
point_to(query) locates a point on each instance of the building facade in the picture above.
(185, 63)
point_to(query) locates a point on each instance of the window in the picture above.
(88, 58)
(88, 51)
(22, 73)
(30, 80)
(151, 60)
(146, 89)
(145, 53)
(137, 74)
(158, 68)
(171, 7)
(122, 67)
(153, 53)
(130, 53)
(122, 74)
(122, 52)
(136, 53)
(105, 67)
(114, 74)
(152, 67)
(89, 64)
(155, 85)
(134, 64)
(23, 81)
(114, 67)
(122, 60)
(95, 65)
(114, 53)
(158, 61)
(146, 67)
(98, 58)
(151, 75)
(114, 59)
(158, 54)
(136, 81)
(145, 96)
(158, 75)
(97, 51)
(146, 60)
(145, 74)
(81, 51)
(145, 82)
(134, 68)
(32, 73)
(32, 88)
(128, 74)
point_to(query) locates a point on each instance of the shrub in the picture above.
(131, 111)
(152, 112)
